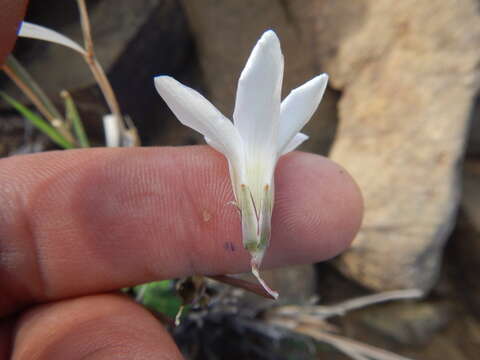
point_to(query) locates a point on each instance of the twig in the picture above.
(74, 118)
(243, 284)
(323, 312)
(310, 320)
(29, 93)
(97, 69)
(349, 346)
(86, 29)
(363, 301)
(54, 120)
(15, 67)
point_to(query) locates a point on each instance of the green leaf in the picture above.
(38, 122)
(32, 85)
(160, 296)
(73, 116)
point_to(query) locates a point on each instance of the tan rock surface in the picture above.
(409, 74)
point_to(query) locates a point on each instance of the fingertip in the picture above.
(92, 327)
(319, 217)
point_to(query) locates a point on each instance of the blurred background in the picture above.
(401, 114)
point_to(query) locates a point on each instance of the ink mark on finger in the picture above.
(229, 246)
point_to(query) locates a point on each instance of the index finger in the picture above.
(12, 12)
(83, 221)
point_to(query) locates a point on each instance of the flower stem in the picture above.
(96, 68)
(256, 273)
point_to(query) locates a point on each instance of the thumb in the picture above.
(92, 327)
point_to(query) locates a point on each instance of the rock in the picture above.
(427, 330)
(473, 148)
(163, 45)
(408, 71)
(12, 135)
(466, 238)
(295, 284)
(334, 287)
(406, 323)
(471, 194)
(225, 33)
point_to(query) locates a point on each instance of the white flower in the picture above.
(34, 31)
(263, 130)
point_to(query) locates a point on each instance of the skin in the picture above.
(11, 13)
(77, 225)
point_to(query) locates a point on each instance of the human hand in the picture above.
(77, 224)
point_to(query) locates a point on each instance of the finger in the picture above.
(92, 328)
(78, 222)
(12, 12)
(6, 328)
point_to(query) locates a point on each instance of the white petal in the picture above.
(112, 130)
(196, 112)
(34, 31)
(257, 105)
(298, 108)
(294, 143)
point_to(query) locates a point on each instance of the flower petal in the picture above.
(257, 105)
(294, 143)
(112, 130)
(196, 112)
(297, 108)
(34, 31)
